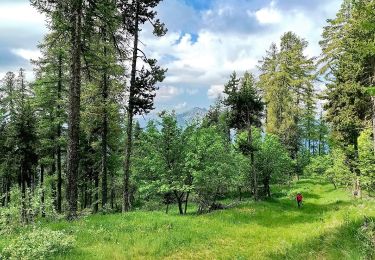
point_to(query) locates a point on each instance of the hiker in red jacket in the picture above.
(299, 199)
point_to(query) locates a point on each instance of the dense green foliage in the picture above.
(40, 243)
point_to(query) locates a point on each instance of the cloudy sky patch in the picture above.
(206, 41)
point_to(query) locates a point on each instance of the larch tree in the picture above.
(142, 85)
(50, 87)
(287, 78)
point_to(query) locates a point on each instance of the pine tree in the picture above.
(142, 82)
(246, 108)
(348, 103)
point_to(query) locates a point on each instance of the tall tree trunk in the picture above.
(58, 145)
(373, 121)
(252, 161)
(112, 190)
(320, 135)
(130, 113)
(373, 105)
(42, 188)
(96, 191)
(74, 109)
(104, 129)
(357, 172)
(23, 195)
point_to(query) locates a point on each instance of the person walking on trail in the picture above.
(299, 200)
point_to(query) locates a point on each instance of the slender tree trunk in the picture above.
(129, 130)
(53, 172)
(112, 190)
(373, 105)
(320, 143)
(373, 122)
(180, 209)
(179, 202)
(23, 195)
(42, 187)
(104, 130)
(58, 145)
(252, 161)
(186, 202)
(2, 194)
(167, 208)
(357, 172)
(74, 109)
(96, 191)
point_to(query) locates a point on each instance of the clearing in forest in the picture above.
(324, 228)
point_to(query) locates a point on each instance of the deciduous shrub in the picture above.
(40, 243)
(366, 234)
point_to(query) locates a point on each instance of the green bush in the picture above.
(40, 243)
(366, 234)
(11, 215)
(318, 165)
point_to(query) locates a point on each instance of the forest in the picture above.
(76, 163)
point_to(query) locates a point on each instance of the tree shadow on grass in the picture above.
(340, 243)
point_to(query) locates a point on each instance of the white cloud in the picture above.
(207, 58)
(21, 14)
(166, 93)
(202, 48)
(215, 91)
(267, 15)
(191, 91)
(27, 54)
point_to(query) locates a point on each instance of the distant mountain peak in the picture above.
(190, 115)
(183, 118)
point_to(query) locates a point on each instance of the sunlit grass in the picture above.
(324, 228)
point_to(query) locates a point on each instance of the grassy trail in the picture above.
(325, 228)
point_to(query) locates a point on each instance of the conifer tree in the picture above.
(142, 86)
(246, 108)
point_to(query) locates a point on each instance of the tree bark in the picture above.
(179, 202)
(112, 190)
(167, 208)
(357, 172)
(252, 161)
(58, 145)
(96, 191)
(373, 121)
(42, 187)
(129, 130)
(373, 105)
(74, 109)
(104, 130)
(23, 195)
(186, 202)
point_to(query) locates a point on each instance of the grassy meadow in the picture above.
(324, 228)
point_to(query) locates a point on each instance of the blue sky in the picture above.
(206, 41)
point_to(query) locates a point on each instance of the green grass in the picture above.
(324, 228)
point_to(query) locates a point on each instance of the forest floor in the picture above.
(324, 228)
